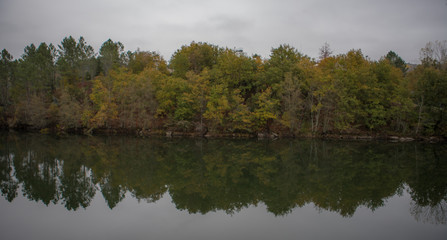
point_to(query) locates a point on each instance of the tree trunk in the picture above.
(420, 114)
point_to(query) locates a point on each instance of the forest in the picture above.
(207, 89)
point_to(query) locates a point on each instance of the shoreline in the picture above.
(361, 136)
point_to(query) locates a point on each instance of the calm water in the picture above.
(129, 188)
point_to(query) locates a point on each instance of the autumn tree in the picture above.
(105, 110)
(265, 111)
(291, 102)
(319, 90)
(135, 98)
(226, 110)
(197, 97)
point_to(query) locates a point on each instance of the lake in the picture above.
(79, 187)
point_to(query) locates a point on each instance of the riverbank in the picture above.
(357, 136)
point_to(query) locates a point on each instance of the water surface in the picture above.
(131, 188)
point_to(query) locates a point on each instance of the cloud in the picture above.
(376, 27)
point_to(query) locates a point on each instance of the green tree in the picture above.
(394, 96)
(218, 107)
(139, 60)
(168, 94)
(291, 102)
(76, 62)
(236, 71)
(7, 71)
(192, 102)
(33, 88)
(135, 98)
(396, 61)
(110, 56)
(195, 57)
(432, 99)
(36, 70)
(351, 73)
(282, 60)
(428, 83)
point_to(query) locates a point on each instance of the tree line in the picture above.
(207, 88)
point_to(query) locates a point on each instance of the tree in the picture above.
(195, 57)
(327, 88)
(218, 107)
(70, 112)
(393, 96)
(291, 102)
(434, 54)
(105, 111)
(320, 92)
(431, 98)
(135, 98)
(236, 71)
(200, 87)
(266, 110)
(34, 85)
(110, 55)
(36, 69)
(45, 57)
(427, 84)
(396, 61)
(325, 51)
(139, 60)
(6, 78)
(282, 60)
(351, 72)
(168, 94)
(76, 62)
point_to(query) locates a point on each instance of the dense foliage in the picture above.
(208, 88)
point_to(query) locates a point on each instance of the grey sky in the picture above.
(375, 26)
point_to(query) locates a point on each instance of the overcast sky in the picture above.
(256, 26)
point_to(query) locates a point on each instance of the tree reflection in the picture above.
(436, 214)
(113, 194)
(77, 188)
(230, 175)
(9, 184)
(428, 185)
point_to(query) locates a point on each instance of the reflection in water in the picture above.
(203, 176)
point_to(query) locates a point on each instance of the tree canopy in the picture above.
(204, 86)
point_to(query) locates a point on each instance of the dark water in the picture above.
(129, 188)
